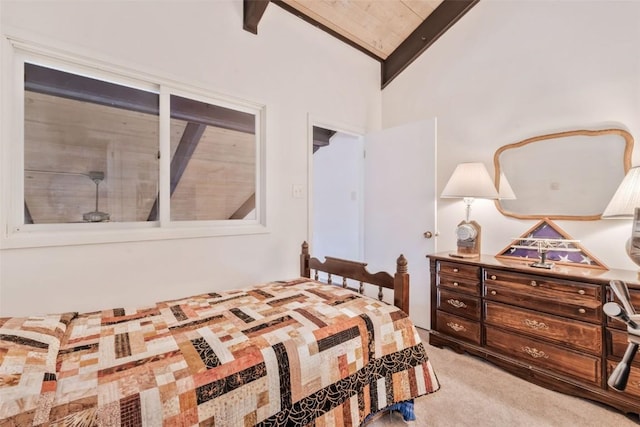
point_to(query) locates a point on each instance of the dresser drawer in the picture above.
(462, 271)
(545, 355)
(634, 297)
(587, 310)
(617, 344)
(459, 327)
(579, 335)
(633, 383)
(566, 291)
(460, 285)
(459, 304)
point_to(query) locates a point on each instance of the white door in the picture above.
(400, 206)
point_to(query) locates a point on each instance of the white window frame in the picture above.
(16, 234)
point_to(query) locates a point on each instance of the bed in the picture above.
(294, 352)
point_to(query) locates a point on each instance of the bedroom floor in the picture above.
(475, 392)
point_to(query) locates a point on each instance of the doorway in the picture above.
(396, 185)
(338, 185)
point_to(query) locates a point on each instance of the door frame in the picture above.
(343, 128)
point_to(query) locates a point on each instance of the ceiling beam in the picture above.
(212, 115)
(321, 137)
(84, 89)
(190, 138)
(72, 86)
(28, 219)
(252, 12)
(246, 208)
(436, 24)
(187, 145)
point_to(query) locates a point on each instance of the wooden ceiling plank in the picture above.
(436, 24)
(378, 26)
(422, 8)
(252, 14)
(389, 17)
(363, 22)
(317, 21)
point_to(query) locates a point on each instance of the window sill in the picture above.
(36, 236)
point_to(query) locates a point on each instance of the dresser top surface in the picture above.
(631, 277)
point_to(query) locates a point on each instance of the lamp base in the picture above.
(468, 234)
(633, 244)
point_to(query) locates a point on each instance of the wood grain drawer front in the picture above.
(459, 327)
(579, 335)
(617, 345)
(567, 291)
(588, 311)
(457, 284)
(545, 355)
(459, 304)
(633, 383)
(462, 271)
(634, 296)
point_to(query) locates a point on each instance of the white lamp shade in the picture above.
(470, 180)
(505, 192)
(626, 197)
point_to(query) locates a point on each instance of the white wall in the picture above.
(509, 70)
(293, 68)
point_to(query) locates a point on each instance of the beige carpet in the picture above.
(475, 393)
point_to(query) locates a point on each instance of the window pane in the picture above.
(213, 162)
(91, 149)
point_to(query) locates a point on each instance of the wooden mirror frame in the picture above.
(626, 163)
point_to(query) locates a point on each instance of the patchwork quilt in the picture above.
(291, 353)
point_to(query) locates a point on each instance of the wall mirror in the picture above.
(565, 175)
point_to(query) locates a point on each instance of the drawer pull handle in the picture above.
(493, 292)
(534, 324)
(456, 327)
(581, 292)
(534, 283)
(582, 311)
(455, 270)
(456, 303)
(455, 284)
(493, 277)
(535, 353)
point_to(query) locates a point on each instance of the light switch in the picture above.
(297, 191)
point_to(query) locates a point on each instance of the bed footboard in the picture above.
(355, 270)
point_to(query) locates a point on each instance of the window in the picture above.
(94, 151)
(213, 162)
(90, 149)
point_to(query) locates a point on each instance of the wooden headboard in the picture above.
(355, 270)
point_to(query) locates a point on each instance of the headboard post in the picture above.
(305, 270)
(401, 285)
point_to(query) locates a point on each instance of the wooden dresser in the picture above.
(546, 326)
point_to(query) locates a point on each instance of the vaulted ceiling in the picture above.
(394, 32)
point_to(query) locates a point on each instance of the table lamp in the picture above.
(505, 192)
(624, 204)
(469, 181)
